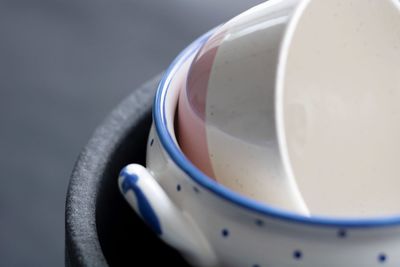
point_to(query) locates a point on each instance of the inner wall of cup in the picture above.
(339, 115)
(227, 132)
(191, 111)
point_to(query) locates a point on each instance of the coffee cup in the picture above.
(227, 107)
(213, 225)
(337, 106)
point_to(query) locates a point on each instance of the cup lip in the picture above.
(174, 152)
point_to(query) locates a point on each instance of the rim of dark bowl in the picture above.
(84, 246)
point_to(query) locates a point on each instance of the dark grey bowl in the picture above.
(101, 229)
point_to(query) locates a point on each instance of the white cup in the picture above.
(227, 110)
(337, 106)
(214, 226)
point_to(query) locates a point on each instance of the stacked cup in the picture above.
(274, 140)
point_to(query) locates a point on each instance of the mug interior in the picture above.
(164, 114)
(228, 132)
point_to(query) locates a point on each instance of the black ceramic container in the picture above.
(101, 229)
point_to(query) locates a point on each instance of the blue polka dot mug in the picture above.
(212, 225)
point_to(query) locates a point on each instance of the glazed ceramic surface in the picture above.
(214, 226)
(338, 106)
(226, 114)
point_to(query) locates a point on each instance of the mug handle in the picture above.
(152, 204)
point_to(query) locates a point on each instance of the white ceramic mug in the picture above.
(212, 225)
(337, 102)
(316, 114)
(227, 114)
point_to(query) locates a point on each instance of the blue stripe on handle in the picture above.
(146, 211)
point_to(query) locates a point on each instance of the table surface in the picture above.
(63, 66)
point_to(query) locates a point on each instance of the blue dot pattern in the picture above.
(145, 209)
(342, 233)
(259, 222)
(148, 214)
(382, 258)
(297, 254)
(225, 232)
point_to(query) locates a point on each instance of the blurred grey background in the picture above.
(63, 66)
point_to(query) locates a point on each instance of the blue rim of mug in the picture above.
(203, 180)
